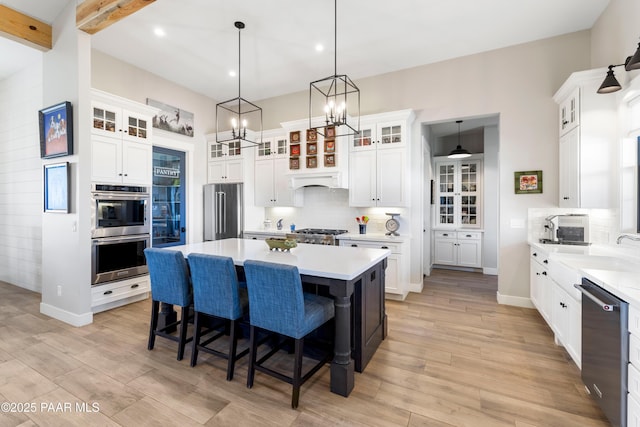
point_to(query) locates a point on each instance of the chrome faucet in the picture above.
(627, 236)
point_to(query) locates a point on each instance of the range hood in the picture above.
(330, 179)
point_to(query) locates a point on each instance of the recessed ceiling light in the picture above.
(319, 47)
(159, 32)
(232, 73)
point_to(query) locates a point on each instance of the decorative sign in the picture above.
(166, 172)
(172, 119)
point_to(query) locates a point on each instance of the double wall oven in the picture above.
(120, 232)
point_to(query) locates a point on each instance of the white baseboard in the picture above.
(416, 287)
(490, 271)
(66, 316)
(515, 301)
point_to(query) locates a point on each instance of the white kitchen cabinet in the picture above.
(569, 111)
(458, 192)
(273, 146)
(272, 184)
(378, 161)
(114, 294)
(588, 142)
(540, 283)
(458, 248)
(397, 272)
(567, 321)
(225, 162)
(121, 140)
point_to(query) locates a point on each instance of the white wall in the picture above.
(491, 200)
(21, 178)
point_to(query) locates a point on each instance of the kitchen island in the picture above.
(354, 278)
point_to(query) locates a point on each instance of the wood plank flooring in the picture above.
(453, 357)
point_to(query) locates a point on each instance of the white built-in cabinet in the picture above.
(378, 161)
(458, 248)
(397, 272)
(560, 304)
(121, 140)
(225, 161)
(272, 180)
(587, 142)
(458, 192)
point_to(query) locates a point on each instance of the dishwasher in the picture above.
(605, 350)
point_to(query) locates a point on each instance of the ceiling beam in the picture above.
(95, 15)
(24, 29)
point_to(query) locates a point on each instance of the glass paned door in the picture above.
(168, 205)
(468, 191)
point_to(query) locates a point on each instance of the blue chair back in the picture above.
(276, 300)
(216, 290)
(169, 274)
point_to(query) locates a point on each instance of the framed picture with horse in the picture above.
(56, 130)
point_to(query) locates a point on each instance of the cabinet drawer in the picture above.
(634, 351)
(445, 235)
(633, 411)
(539, 256)
(633, 384)
(393, 247)
(469, 235)
(103, 294)
(634, 321)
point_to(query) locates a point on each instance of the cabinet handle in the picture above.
(565, 198)
(546, 261)
(564, 122)
(134, 286)
(445, 234)
(535, 254)
(537, 274)
(354, 246)
(468, 235)
(544, 273)
(385, 247)
(108, 293)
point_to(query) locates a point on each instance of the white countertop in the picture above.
(274, 232)
(615, 269)
(334, 262)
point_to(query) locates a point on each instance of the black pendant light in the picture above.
(336, 99)
(610, 83)
(459, 152)
(238, 115)
(633, 62)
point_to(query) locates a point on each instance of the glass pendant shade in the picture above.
(459, 152)
(610, 83)
(236, 116)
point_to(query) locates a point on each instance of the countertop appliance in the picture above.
(570, 229)
(605, 350)
(223, 211)
(316, 236)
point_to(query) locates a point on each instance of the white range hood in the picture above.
(331, 179)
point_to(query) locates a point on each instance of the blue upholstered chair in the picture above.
(278, 304)
(170, 284)
(217, 294)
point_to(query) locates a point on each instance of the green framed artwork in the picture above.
(528, 182)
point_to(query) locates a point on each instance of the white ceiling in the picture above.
(278, 55)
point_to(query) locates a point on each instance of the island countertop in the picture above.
(334, 262)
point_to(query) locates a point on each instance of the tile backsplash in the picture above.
(603, 223)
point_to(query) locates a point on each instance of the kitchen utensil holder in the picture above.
(363, 228)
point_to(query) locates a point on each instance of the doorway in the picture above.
(480, 136)
(168, 205)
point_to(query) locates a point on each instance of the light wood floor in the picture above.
(453, 357)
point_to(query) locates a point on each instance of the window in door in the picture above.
(168, 206)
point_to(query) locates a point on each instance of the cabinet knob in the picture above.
(546, 261)
(564, 122)
(565, 198)
(535, 254)
(544, 273)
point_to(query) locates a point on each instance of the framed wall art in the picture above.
(312, 135)
(294, 137)
(56, 187)
(56, 130)
(528, 182)
(329, 160)
(172, 119)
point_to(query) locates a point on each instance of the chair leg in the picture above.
(297, 372)
(253, 349)
(196, 339)
(155, 307)
(233, 339)
(184, 322)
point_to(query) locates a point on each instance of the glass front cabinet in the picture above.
(458, 193)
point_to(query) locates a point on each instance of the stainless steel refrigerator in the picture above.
(223, 211)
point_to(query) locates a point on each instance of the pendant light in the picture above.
(335, 99)
(235, 116)
(633, 62)
(610, 83)
(459, 152)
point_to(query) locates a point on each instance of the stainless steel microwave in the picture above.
(119, 210)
